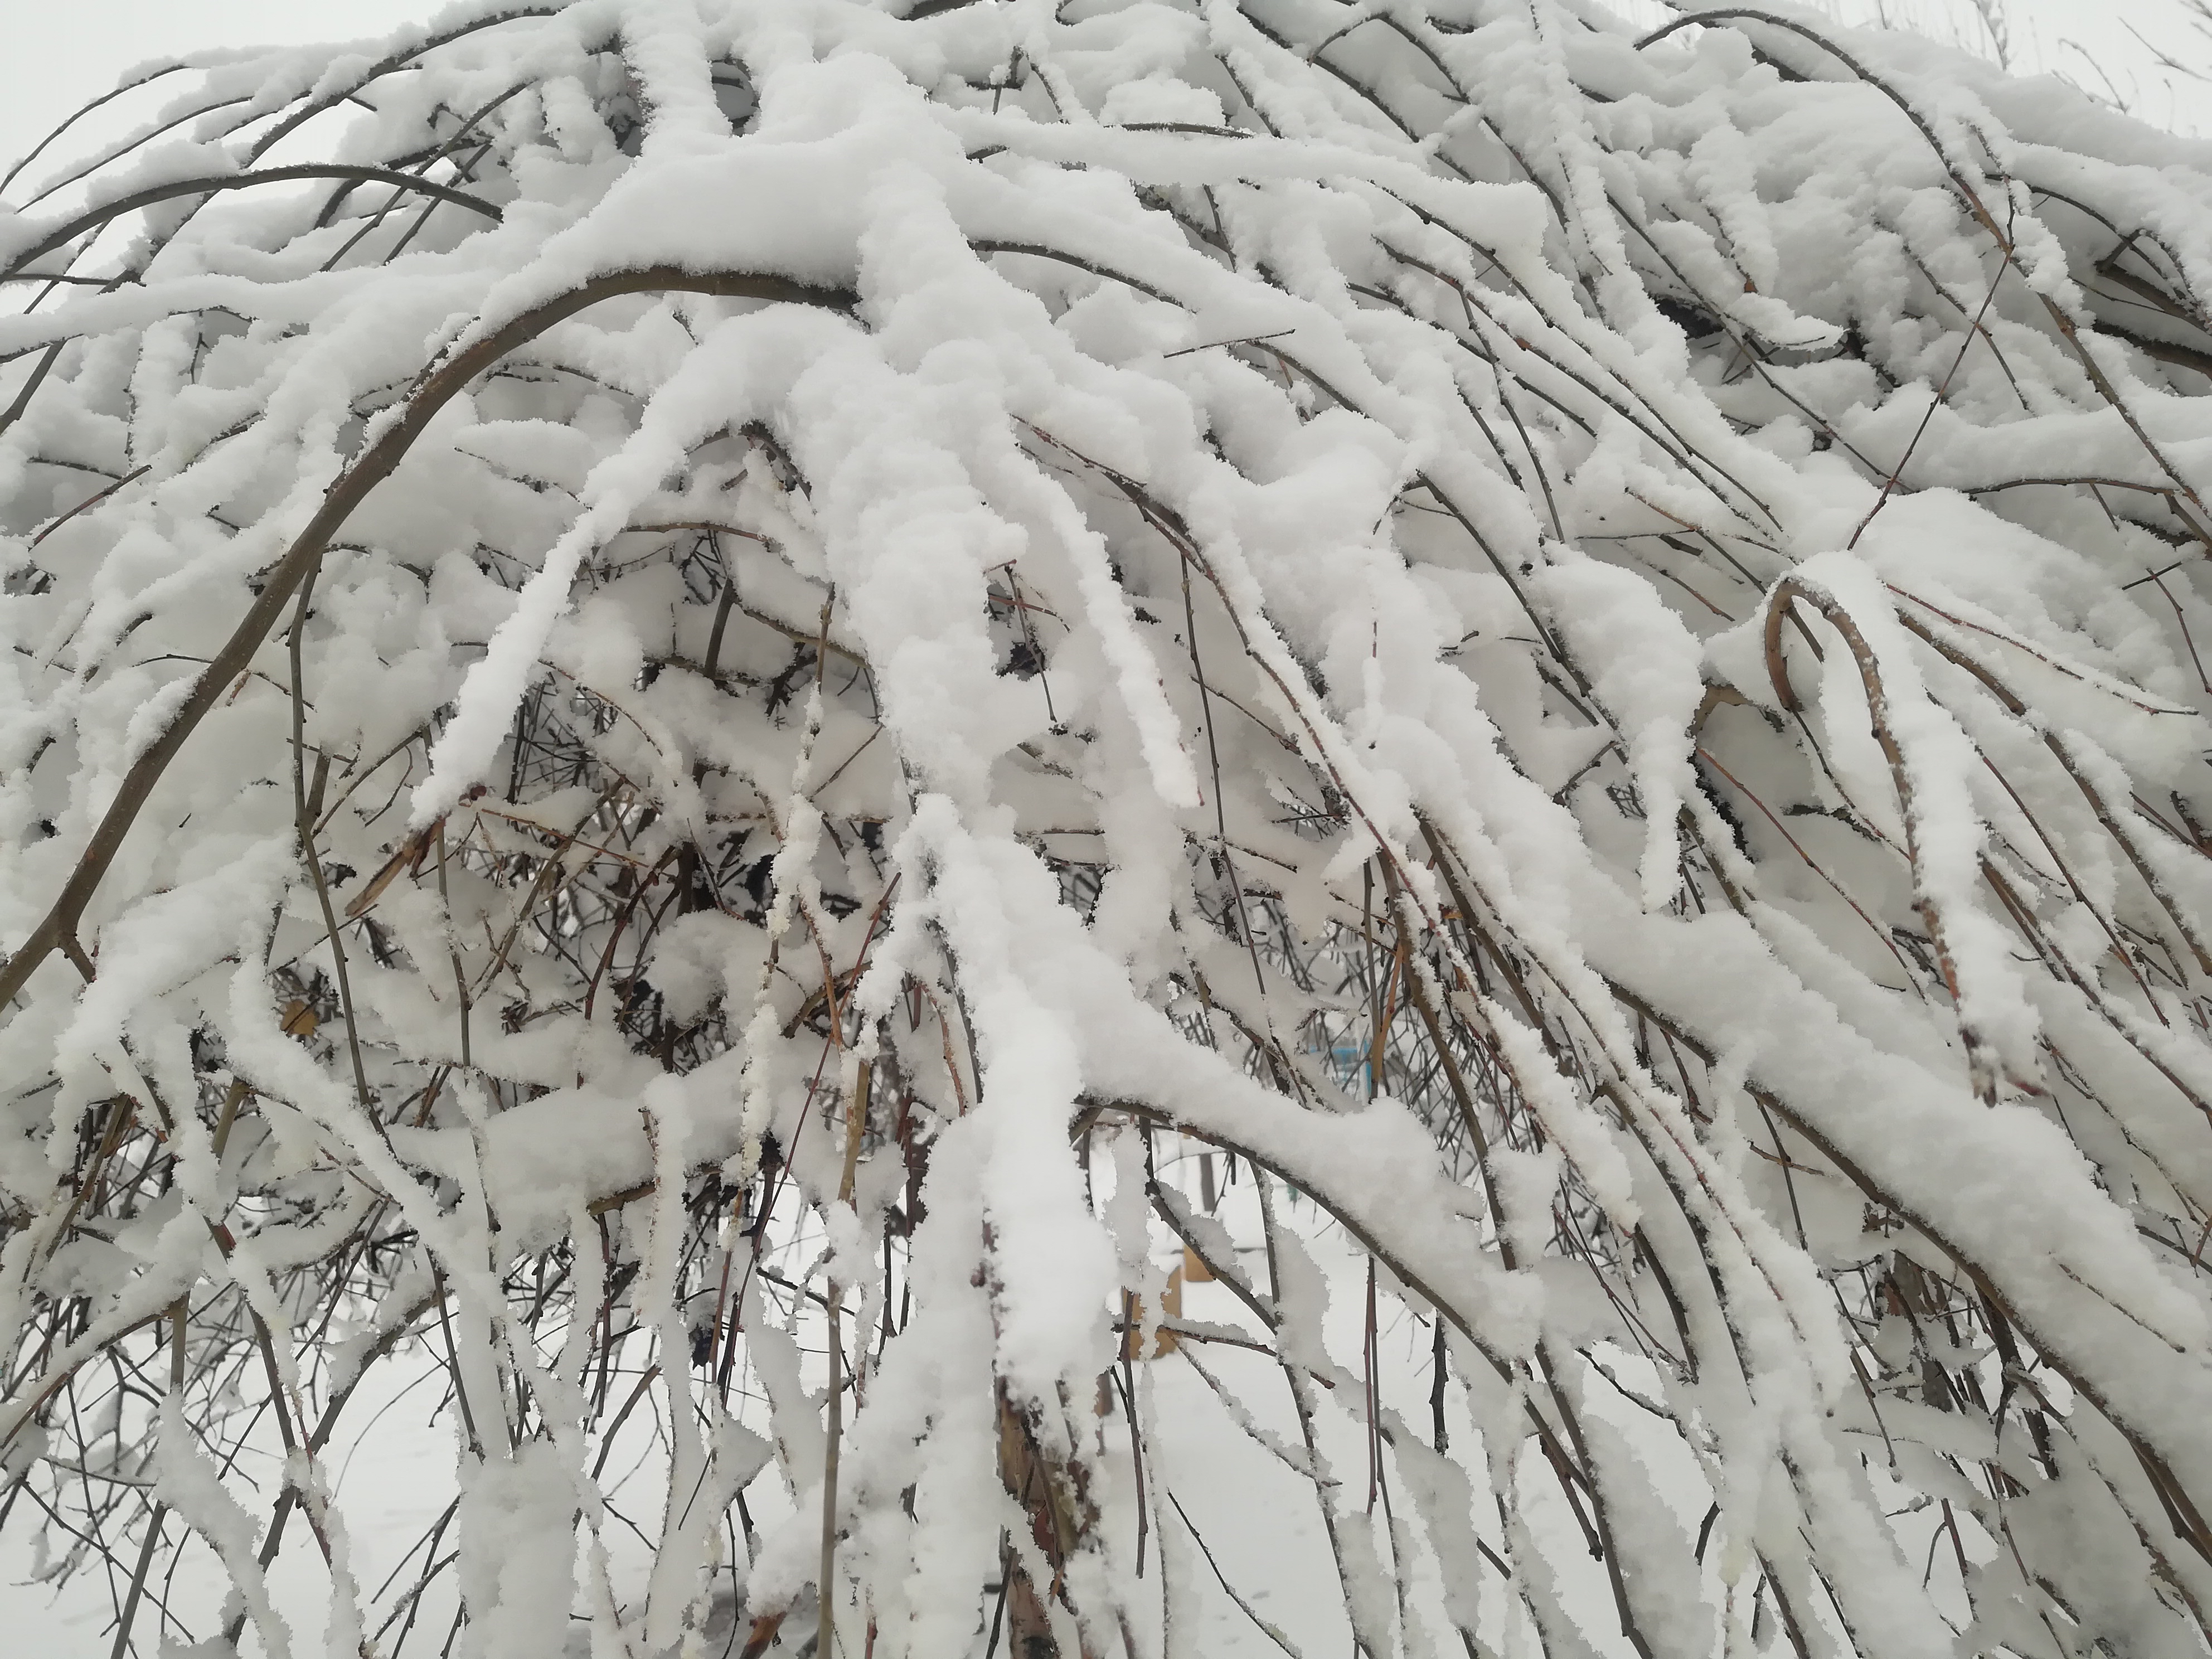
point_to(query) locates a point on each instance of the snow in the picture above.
(1540, 690)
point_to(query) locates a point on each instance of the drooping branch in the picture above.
(92, 218)
(57, 930)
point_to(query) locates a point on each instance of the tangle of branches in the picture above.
(889, 773)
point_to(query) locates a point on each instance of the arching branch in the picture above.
(58, 928)
(94, 217)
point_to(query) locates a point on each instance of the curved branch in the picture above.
(306, 113)
(149, 197)
(80, 113)
(2112, 819)
(2166, 351)
(2182, 1512)
(57, 930)
(2068, 329)
(1729, 14)
(117, 152)
(1981, 1062)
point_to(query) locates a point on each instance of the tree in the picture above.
(713, 707)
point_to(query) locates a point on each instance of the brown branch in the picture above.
(1982, 1063)
(283, 579)
(94, 217)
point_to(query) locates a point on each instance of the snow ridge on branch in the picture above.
(742, 725)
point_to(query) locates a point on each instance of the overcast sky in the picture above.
(62, 52)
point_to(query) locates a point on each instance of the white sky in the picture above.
(61, 53)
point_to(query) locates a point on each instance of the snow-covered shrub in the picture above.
(695, 688)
